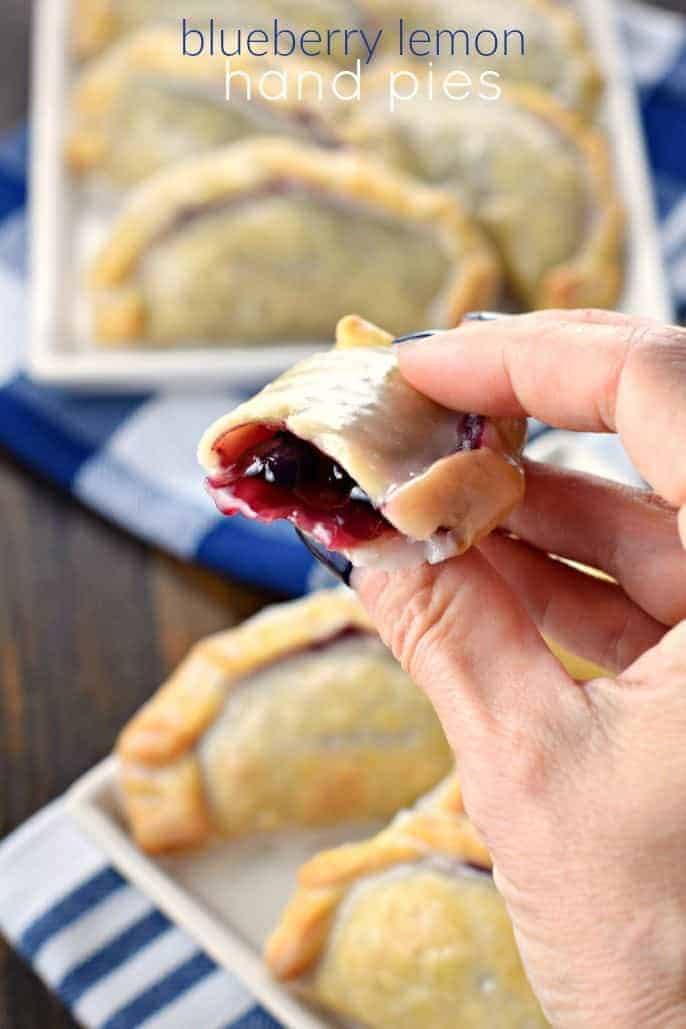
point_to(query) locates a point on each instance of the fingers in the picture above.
(521, 365)
(588, 371)
(590, 617)
(661, 667)
(466, 640)
(628, 533)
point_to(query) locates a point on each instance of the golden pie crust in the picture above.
(591, 275)
(207, 758)
(154, 52)
(243, 169)
(438, 825)
(344, 402)
(576, 80)
(407, 929)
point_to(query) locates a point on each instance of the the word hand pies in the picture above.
(407, 929)
(298, 717)
(214, 250)
(142, 106)
(96, 24)
(529, 41)
(359, 461)
(536, 178)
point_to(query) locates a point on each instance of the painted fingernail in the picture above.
(412, 336)
(335, 563)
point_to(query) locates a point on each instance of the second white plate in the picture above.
(228, 898)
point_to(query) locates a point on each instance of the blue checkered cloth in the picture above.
(115, 960)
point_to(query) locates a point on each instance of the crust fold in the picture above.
(162, 786)
(244, 168)
(434, 827)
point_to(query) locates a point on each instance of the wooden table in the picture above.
(90, 622)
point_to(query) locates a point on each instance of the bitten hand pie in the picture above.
(407, 930)
(143, 105)
(556, 56)
(274, 240)
(298, 717)
(535, 177)
(344, 448)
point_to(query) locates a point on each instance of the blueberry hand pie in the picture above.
(406, 930)
(272, 240)
(537, 179)
(96, 23)
(555, 54)
(298, 717)
(142, 106)
(344, 448)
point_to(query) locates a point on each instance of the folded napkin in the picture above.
(113, 958)
(132, 458)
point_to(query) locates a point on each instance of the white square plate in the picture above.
(228, 898)
(64, 232)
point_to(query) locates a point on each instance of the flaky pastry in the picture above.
(298, 717)
(406, 929)
(142, 105)
(272, 240)
(343, 447)
(535, 176)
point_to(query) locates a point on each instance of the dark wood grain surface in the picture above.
(90, 622)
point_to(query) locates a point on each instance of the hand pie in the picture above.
(344, 448)
(407, 930)
(142, 106)
(537, 180)
(274, 240)
(97, 23)
(556, 57)
(299, 717)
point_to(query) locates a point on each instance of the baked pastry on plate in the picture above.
(359, 461)
(298, 717)
(143, 105)
(537, 179)
(407, 930)
(96, 23)
(272, 240)
(556, 55)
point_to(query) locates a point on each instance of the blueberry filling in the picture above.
(472, 432)
(277, 475)
(289, 462)
(285, 477)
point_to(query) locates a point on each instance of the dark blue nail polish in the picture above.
(416, 335)
(335, 563)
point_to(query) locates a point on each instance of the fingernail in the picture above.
(335, 563)
(413, 336)
(481, 316)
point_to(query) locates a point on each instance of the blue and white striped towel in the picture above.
(115, 960)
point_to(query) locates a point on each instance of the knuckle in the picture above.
(657, 348)
(420, 628)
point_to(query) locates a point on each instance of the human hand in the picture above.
(578, 790)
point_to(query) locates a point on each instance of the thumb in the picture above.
(465, 639)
